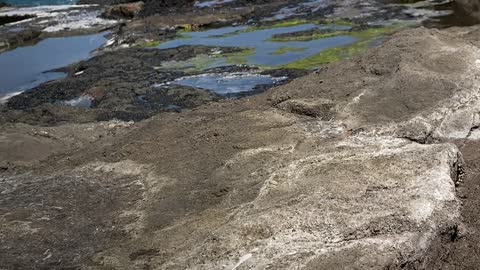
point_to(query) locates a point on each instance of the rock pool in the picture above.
(227, 83)
(27, 67)
(264, 51)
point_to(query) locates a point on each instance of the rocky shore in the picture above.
(366, 163)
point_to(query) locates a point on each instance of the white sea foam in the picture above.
(58, 18)
(5, 98)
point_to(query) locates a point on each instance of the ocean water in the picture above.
(29, 3)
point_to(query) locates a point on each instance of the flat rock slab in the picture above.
(312, 175)
(361, 203)
(355, 203)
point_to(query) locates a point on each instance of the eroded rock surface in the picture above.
(422, 84)
(349, 167)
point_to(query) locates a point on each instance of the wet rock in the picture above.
(123, 11)
(177, 96)
(164, 6)
(472, 7)
(15, 39)
(14, 18)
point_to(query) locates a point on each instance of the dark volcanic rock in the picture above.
(123, 11)
(118, 83)
(164, 6)
(151, 7)
(11, 19)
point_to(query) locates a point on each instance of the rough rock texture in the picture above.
(123, 11)
(421, 85)
(331, 171)
(472, 7)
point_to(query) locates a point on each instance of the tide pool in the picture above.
(27, 67)
(264, 52)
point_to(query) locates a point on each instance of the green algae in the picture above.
(284, 50)
(365, 39)
(343, 23)
(330, 55)
(150, 44)
(326, 34)
(281, 24)
(289, 23)
(362, 35)
(238, 58)
(204, 61)
(310, 37)
(377, 31)
(186, 28)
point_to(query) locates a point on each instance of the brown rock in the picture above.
(124, 11)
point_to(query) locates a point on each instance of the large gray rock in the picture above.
(421, 84)
(323, 173)
(360, 203)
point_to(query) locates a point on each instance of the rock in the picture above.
(348, 168)
(361, 203)
(386, 90)
(318, 109)
(123, 11)
(165, 6)
(32, 24)
(471, 7)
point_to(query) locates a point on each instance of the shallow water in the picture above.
(227, 83)
(265, 52)
(27, 67)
